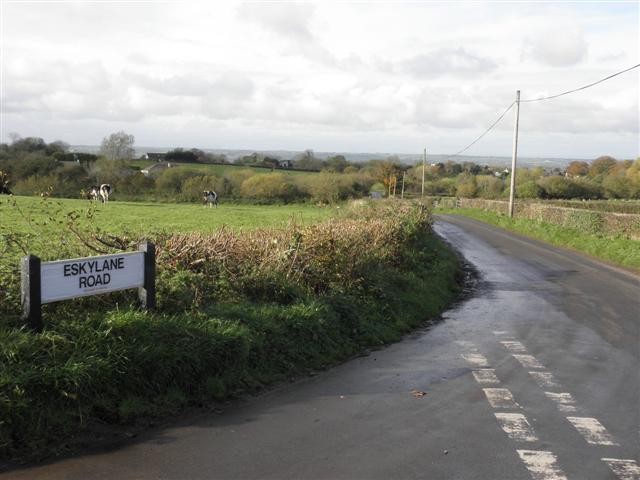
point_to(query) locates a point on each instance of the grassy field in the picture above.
(217, 169)
(618, 251)
(19, 213)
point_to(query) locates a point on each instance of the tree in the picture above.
(602, 165)
(118, 146)
(577, 169)
(336, 163)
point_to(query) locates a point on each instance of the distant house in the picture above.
(158, 157)
(285, 164)
(155, 169)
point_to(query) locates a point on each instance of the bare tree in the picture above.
(118, 146)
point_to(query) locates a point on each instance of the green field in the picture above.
(215, 168)
(24, 214)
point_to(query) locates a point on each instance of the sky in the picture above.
(390, 77)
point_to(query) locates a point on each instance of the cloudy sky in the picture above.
(331, 76)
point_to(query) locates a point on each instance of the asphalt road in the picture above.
(536, 376)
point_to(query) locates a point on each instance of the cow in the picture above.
(105, 191)
(211, 198)
(4, 184)
(101, 193)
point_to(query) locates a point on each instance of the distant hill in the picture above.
(361, 157)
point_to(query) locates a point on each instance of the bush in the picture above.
(333, 187)
(488, 186)
(170, 181)
(193, 187)
(466, 186)
(270, 187)
(529, 189)
(559, 187)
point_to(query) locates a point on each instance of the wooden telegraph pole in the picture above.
(424, 162)
(514, 158)
(402, 194)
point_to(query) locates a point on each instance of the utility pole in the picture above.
(402, 194)
(424, 161)
(514, 158)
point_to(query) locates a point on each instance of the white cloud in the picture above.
(447, 61)
(331, 76)
(558, 47)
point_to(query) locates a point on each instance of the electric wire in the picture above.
(538, 100)
(581, 88)
(485, 132)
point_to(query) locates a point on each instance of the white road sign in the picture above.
(80, 277)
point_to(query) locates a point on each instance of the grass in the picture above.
(152, 217)
(215, 168)
(618, 251)
(236, 311)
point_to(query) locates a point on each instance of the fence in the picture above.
(607, 224)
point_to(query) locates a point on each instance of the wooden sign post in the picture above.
(46, 282)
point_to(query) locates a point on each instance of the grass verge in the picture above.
(236, 311)
(618, 251)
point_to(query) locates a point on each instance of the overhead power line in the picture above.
(581, 88)
(485, 132)
(538, 100)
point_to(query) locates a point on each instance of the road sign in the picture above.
(79, 277)
(46, 282)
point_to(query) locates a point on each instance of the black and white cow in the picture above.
(211, 198)
(4, 184)
(101, 193)
(105, 191)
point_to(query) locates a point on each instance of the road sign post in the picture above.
(147, 293)
(47, 282)
(30, 293)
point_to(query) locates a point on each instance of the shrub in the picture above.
(270, 186)
(169, 182)
(559, 187)
(192, 188)
(466, 186)
(488, 186)
(333, 187)
(529, 189)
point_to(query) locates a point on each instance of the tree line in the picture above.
(30, 166)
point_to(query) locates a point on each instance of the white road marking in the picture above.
(542, 465)
(545, 379)
(624, 469)
(592, 430)
(564, 401)
(516, 426)
(528, 361)
(500, 332)
(514, 346)
(485, 376)
(476, 359)
(500, 398)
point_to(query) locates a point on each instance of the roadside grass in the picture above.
(618, 251)
(117, 217)
(236, 311)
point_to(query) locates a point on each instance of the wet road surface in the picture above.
(536, 376)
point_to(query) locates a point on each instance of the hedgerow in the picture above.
(235, 311)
